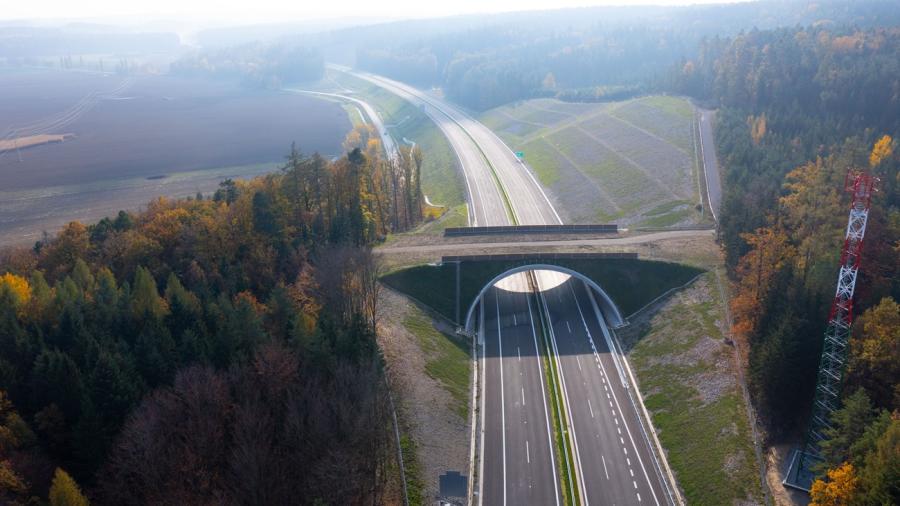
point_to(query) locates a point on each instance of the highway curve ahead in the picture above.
(613, 461)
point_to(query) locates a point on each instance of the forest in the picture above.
(590, 54)
(798, 109)
(255, 64)
(212, 350)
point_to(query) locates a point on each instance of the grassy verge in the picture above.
(441, 179)
(447, 361)
(558, 416)
(415, 485)
(686, 372)
(668, 219)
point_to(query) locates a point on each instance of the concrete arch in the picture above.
(607, 306)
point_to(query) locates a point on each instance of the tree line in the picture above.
(255, 64)
(588, 54)
(207, 350)
(798, 108)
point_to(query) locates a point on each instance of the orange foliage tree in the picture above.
(769, 252)
(840, 489)
(17, 286)
(883, 149)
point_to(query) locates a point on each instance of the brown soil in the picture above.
(31, 140)
(425, 408)
(690, 247)
(776, 462)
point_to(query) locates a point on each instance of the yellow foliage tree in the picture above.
(65, 492)
(883, 149)
(770, 250)
(757, 128)
(18, 286)
(840, 489)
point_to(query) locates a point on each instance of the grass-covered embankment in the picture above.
(631, 283)
(447, 359)
(686, 373)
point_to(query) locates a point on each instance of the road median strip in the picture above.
(559, 416)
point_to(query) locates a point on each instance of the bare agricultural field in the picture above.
(29, 141)
(134, 138)
(630, 162)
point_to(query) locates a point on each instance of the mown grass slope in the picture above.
(619, 162)
(687, 376)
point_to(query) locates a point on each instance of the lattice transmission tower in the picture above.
(834, 348)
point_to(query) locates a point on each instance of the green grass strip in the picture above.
(564, 454)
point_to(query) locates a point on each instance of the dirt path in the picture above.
(487, 245)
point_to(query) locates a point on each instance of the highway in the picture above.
(710, 163)
(517, 455)
(486, 202)
(614, 455)
(517, 463)
(390, 147)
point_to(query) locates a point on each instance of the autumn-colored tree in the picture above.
(549, 82)
(839, 490)
(71, 243)
(882, 149)
(18, 288)
(812, 210)
(875, 353)
(145, 298)
(757, 127)
(65, 492)
(770, 252)
(11, 483)
(880, 476)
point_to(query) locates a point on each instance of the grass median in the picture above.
(558, 415)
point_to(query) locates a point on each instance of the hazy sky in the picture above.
(248, 11)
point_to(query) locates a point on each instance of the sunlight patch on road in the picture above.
(518, 282)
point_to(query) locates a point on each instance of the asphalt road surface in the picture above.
(710, 163)
(517, 454)
(486, 203)
(517, 463)
(614, 457)
(390, 147)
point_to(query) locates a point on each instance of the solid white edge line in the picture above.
(502, 399)
(616, 399)
(703, 161)
(483, 385)
(562, 378)
(658, 454)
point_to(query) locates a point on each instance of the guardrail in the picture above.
(537, 256)
(532, 229)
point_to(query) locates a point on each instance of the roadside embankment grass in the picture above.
(441, 177)
(613, 161)
(447, 358)
(687, 375)
(415, 486)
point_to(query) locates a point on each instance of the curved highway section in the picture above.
(613, 458)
